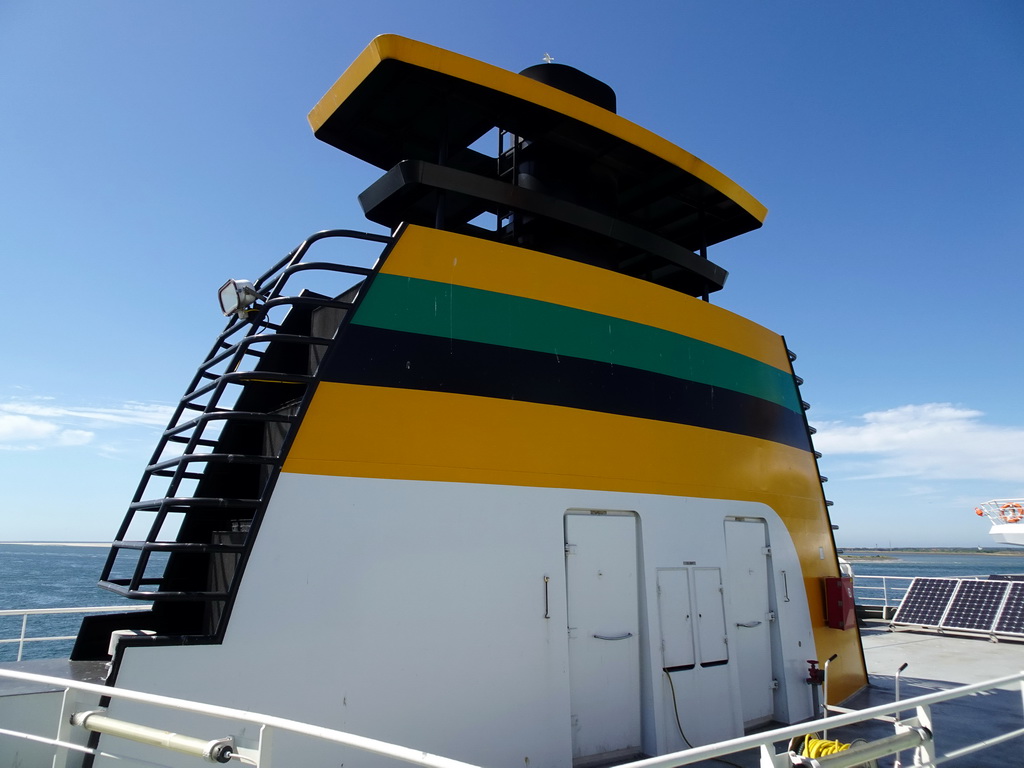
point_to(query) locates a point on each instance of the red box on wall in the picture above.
(839, 609)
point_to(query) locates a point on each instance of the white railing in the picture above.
(258, 754)
(914, 733)
(1002, 511)
(887, 591)
(24, 613)
(925, 754)
(881, 591)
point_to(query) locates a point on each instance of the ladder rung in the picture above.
(176, 546)
(178, 503)
(213, 458)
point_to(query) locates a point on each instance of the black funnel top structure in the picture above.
(571, 80)
(568, 176)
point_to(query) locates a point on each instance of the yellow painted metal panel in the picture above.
(390, 432)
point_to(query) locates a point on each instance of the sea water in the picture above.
(947, 564)
(49, 576)
(52, 576)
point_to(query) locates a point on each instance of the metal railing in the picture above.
(886, 592)
(880, 591)
(23, 637)
(914, 733)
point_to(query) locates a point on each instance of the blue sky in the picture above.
(149, 151)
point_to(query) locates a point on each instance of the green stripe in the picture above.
(450, 311)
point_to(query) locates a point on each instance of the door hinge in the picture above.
(775, 685)
(766, 551)
(570, 549)
(770, 615)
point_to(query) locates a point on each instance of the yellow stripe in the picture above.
(431, 254)
(462, 67)
(361, 431)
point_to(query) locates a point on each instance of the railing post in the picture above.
(926, 752)
(265, 749)
(72, 701)
(21, 640)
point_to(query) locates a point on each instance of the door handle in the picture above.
(748, 624)
(616, 637)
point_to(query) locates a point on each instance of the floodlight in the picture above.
(236, 296)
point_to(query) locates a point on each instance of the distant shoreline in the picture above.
(865, 552)
(56, 543)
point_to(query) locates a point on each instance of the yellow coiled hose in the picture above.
(815, 747)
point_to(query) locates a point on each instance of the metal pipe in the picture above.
(872, 750)
(899, 715)
(418, 757)
(824, 691)
(213, 751)
(898, 671)
(374, 746)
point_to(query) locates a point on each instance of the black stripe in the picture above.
(385, 358)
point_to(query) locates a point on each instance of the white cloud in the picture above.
(128, 413)
(19, 432)
(32, 425)
(13, 427)
(74, 437)
(932, 441)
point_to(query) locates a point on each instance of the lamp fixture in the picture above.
(236, 296)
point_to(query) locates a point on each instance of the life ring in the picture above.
(978, 512)
(1011, 510)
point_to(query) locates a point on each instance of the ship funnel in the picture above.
(572, 80)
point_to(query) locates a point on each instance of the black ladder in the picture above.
(193, 518)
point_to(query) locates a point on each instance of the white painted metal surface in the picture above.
(490, 584)
(713, 640)
(604, 633)
(676, 618)
(749, 616)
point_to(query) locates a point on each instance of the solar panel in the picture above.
(994, 606)
(1011, 621)
(925, 602)
(975, 605)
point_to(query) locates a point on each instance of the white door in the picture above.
(675, 619)
(604, 647)
(711, 631)
(749, 616)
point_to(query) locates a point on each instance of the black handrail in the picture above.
(252, 336)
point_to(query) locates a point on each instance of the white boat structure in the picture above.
(511, 490)
(1007, 519)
